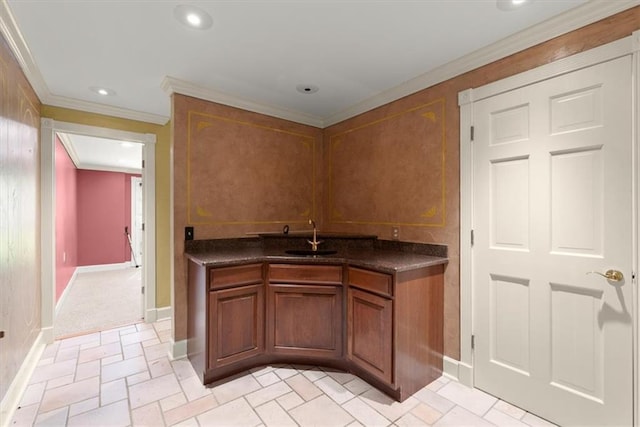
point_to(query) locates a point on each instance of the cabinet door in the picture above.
(236, 324)
(305, 320)
(369, 333)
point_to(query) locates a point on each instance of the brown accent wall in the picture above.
(396, 165)
(397, 149)
(20, 212)
(237, 172)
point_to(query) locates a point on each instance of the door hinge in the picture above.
(143, 164)
(142, 289)
(143, 226)
(472, 132)
(473, 342)
(472, 238)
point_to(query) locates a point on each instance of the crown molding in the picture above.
(108, 110)
(568, 21)
(102, 168)
(18, 46)
(173, 85)
(573, 19)
(67, 143)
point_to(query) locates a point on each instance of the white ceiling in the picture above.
(89, 152)
(360, 53)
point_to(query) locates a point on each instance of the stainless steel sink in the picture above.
(309, 252)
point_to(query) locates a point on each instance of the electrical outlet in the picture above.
(395, 233)
(188, 233)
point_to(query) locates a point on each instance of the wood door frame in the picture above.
(48, 130)
(462, 370)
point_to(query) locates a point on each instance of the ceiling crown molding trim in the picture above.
(103, 168)
(71, 150)
(568, 21)
(173, 85)
(18, 46)
(21, 51)
(107, 110)
(573, 19)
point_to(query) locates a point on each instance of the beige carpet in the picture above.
(100, 300)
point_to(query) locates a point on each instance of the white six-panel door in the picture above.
(552, 201)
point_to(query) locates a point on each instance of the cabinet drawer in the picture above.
(379, 283)
(226, 277)
(319, 274)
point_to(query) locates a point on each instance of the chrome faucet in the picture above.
(314, 244)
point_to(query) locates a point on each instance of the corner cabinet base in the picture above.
(395, 335)
(386, 329)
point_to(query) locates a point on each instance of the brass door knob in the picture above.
(612, 275)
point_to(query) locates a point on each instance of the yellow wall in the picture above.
(163, 256)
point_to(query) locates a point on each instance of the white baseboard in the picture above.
(72, 280)
(178, 349)
(450, 368)
(155, 314)
(163, 313)
(150, 315)
(14, 394)
(103, 267)
(465, 374)
(458, 371)
(47, 334)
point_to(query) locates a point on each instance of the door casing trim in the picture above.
(48, 129)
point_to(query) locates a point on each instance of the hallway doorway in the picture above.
(98, 208)
(128, 281)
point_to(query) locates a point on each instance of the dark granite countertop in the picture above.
(366, 252)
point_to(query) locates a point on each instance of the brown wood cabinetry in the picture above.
(236, 324)
(226, 317)
(395, 327)
(369, 333)
(304, 309)
(305, 320)
(386, 328)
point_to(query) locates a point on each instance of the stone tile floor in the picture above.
(123, 377)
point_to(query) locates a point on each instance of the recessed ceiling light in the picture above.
(102, 91)
(507, 5)
(193, 17)
(305, 88)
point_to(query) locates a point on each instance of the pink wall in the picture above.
(66, 219)
(104, 210)
(92, 210)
